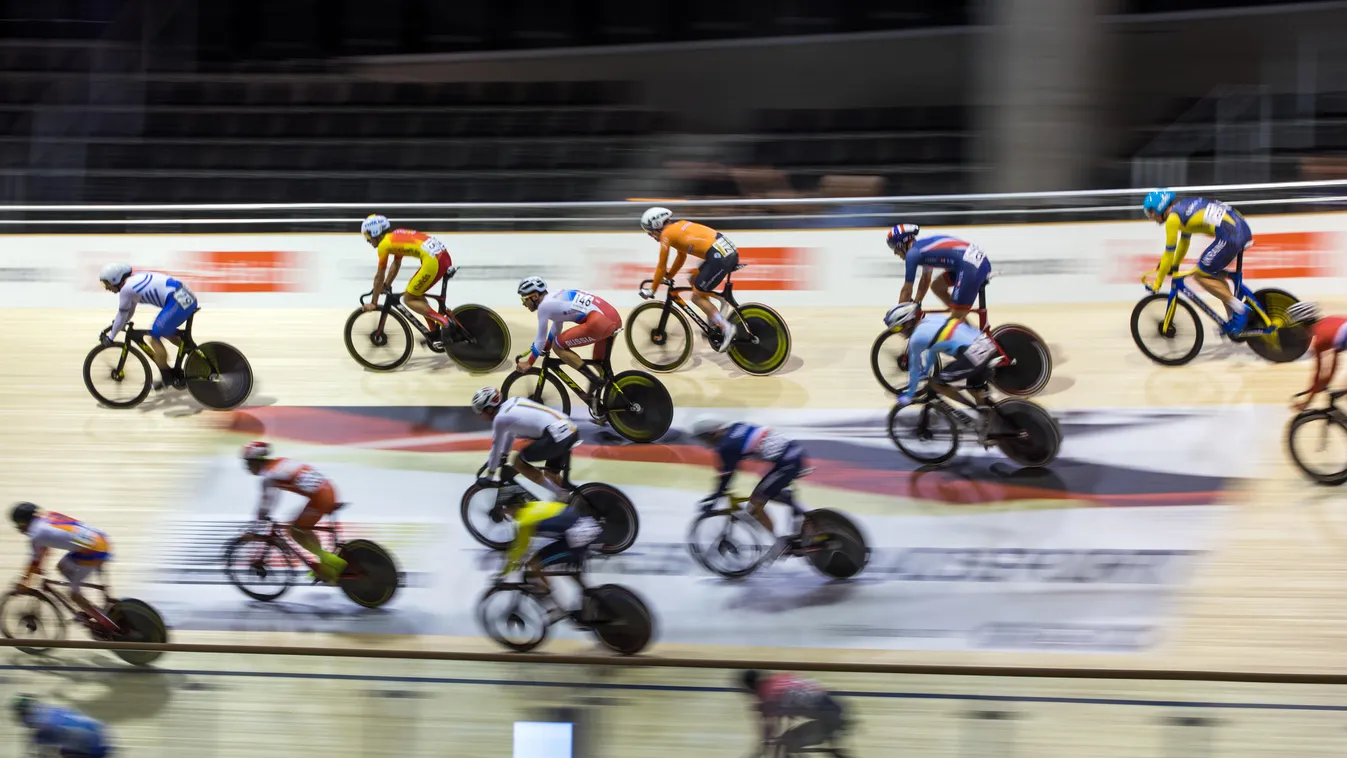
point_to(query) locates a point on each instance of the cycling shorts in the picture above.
(174, 314)
(322, 502)
(1228, 244)
(76, 569)
(553, 453)
(426, 276)
(786, 470)
(721, 259)
(595, 329)
(965, 282)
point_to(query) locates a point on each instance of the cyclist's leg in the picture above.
(321, 503)
(76, 571)
(967, 284)
(555, 553)
(941, 286)
(705, 280)
(166, 324)
(1214, 260)
(597, 327)
(546, 449)
(784, 471)
(415, 298)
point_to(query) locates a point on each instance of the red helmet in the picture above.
(256, 451)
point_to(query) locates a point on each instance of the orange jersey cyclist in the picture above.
(1183, 217)
(284, 475)
(687, 238)
(965, 266)
(595, 321)
(87, 551)
(429, 252)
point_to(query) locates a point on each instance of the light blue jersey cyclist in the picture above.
(939, 333)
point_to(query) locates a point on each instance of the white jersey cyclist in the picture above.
(597, 318)
(522, 418)
(173, 299)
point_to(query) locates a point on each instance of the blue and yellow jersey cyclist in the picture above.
(1183, 217)
(571, 534)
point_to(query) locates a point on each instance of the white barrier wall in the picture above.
(1042, 263)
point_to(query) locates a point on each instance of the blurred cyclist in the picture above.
(283, 474)
(687, 238)
(595, 320)
(553, 436)
(1184, 217)
(433, 263)
(782, 698)
(57, 731)
(939, 333)
(734, 443)
(176, 303)
(1328, 335)
(965, 266)
(87, 551)
(569, 532)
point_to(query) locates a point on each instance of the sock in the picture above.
(719, 320)
(1238, 307)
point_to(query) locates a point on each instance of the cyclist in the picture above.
(937, 333)
(283, 474)
(553, 437)
(87, 551)
(595, 320)
(570, 533)
(1184, 217)
(687, 238)
(965, 266)
(433, 261)
(64, 732)
(176, 303)
(734, 443)
(783, 697)
(1327, 335)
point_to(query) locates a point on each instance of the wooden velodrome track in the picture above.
(1269, 598)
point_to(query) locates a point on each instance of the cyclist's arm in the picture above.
(727, 459)
(380, 274)
(918, 355)
(1177, 241)
(661, 267)
(526, 522)
(269, 494)
(544, 333)
(1321, 377)
(126, 305)
(924, 285)
(34, 563)
(501, 439)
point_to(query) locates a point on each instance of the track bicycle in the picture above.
(214, 373)
(729, 542)
(518, 615)
(264, 562)
(1320, 434)
(1166, 328)
(928, 430)
(482, 509)
(381, 339)
(40, 614)
(634, 403)
(660, 336)
(1025, 368)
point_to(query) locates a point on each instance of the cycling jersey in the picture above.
(937, 333)
(175, 301)
(1197, 215)
(573, 305)
(87, 549)
(790, 696)
(520, 417)
(284, 475)
(571, 531)
(745, 441)
(965, 265)
(688, 238)
(69, 731)
(430, 251)
(1329, 334)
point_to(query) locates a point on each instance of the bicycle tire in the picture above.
(558, 396)
(218, 376)
(617, 514)
(139, 397)
(638, 389)
(845, 554)
(1030, 365)
(1191, 323)
(1297, 425)
(263, 563)
(465, 509)
(677, 323)
(627, 626)
(883, 356)
(490, 343)
(378, 337)
(529, 643)
(725, 544)
(934, 419)
(1044, 438)
(1286, 343)
(769, 354)
(31, 622)
(139, 622)
(371, 578)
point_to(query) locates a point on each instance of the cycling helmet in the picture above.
(1303, 313)
(374, 226)
(1157, 201)
(654, 219)
(749, 679)
(256, 451)
(21, 705)
(114, 273)
(901, 234)
(900, 314)
(706, 427)
(23, 515)
(486, 397)
(530, 285)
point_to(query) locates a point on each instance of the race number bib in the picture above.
(184, 298)
(974, 255)
(582, 299)
(724, 246)
(433, 246)
(772, 446)
(584, 531)
(309, 482)
(84, 536)
(981, 351)
(1216, 213)
(559, 430)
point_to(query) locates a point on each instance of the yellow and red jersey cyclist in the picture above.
(433, 261)
(686, 238)
(1183, 217)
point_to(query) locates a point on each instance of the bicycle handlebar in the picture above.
(393, 297)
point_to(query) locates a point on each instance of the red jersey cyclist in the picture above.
(595, 321)
(87, 550)
(284, 475)
(1328, 335)
(687, 238)
(432, 259)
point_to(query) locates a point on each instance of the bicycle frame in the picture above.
(49, 588)
(393, 302)
(551, 364)
(279, 535)
(675, 299)
(1179, 287)
(184, 335)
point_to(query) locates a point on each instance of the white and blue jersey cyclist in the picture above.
(936, 334)
(64, 732)
(964, 265)
(735, 443)
(175, 301)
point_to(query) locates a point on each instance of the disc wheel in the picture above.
(1036, 439)
(486, 343)
(762, 342)
(1029, 366)
(1285, 343)
(623, 621)
(139, 622)
(640, 407)
(218, 376)
(615, 512)
(371, 577)
(833, 544)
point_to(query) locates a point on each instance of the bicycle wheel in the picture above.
(1030, 362)
(1174, 346)
(658, 347)
(114, 379)
(888, 360)
(513, 617)
(833, 544)
(260, 567)
(756, 321)
(1285, 343)
(639, 406)
(925, 432)
(622, 620)
(727, 543)
(371, 576)
(486, 343)
(1317, 440)
(218, 376)
(483, 517)
(138, 622)
(615, 512)
(31, 616)
(1036, 437)
(379, 340)
(549, 391)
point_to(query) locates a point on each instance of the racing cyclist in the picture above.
(284, 475)
(570, 532)
(87, 551)
(595, 320)
(433, 261)
(1328, 335)
(965, 268)
(1184, 217)
(781, 698)
(687, 238)
(59, 731)
(939, 333)
(176, 303)
(734, 443)
(553, 437)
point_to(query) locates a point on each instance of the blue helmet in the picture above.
(902, 233)
(1157, 201)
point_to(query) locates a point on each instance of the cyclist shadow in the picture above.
(1328, 507)
(181, 404)
(780, 592)
(102, 686)
(793, 363)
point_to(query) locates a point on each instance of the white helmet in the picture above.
(654, 219)
(114, 273)
(374, 226)
(486, 397)
(256, 450)
(1303, 312)
(706, 427)
(900, 314)
(531, 284)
